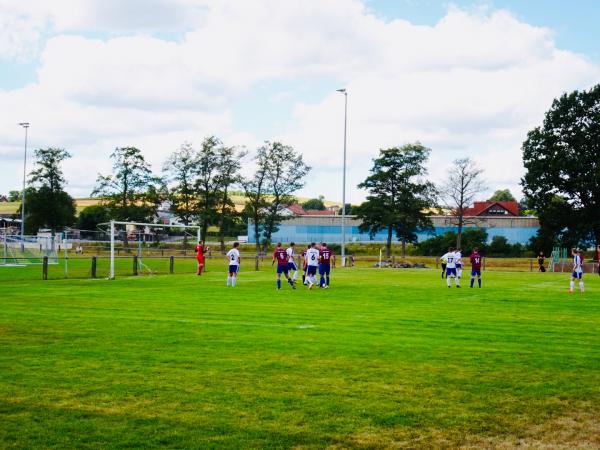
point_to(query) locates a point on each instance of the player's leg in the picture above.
(289, 279)
(581, 286)
(448, 275)
(295, 269)
(278, 277)
(572, 282)
(479, 278)
(443, 270)
(328, 272)
(473, 273)
(457, 279)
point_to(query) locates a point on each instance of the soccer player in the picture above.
(292, 261)
(233, 257)
(459, 263)
(304, 266)
(444, 261)
(475, 267)
(281, 256)
(200, 251)
(312, 262)
(450, 258)
(577, 270)
(541, 260)
(324, 265)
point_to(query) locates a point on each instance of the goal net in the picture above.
(26, 250)
(146, 248)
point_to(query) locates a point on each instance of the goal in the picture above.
(138, 234)
(17, 250)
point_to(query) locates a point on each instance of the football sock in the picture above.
(473, 281)
(278, 284)
(479, 281)
(303, 278)
(571, 285)
(290, 281)
(448, 281)
(229, 281)
(295, 275)
(581, 286)
(321, 281)
(233, 281)
(327, 280)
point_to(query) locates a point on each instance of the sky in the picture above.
(467, 78)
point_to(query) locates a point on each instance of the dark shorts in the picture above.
(577, 275)
(292, 266)
(450, 272)
(475, 272)
(233, 268)
(324, 269)
(459, 266)
(311, 270)
(282, 269)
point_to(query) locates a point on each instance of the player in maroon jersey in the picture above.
(282, 258)
(324, 265)
(475, 267)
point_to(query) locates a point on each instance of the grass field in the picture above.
(385, 358)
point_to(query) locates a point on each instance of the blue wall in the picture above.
(333, 234)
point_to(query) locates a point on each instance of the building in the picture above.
(496, 218)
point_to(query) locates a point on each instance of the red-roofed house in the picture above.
(493, 209)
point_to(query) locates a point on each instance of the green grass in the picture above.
(384, 358)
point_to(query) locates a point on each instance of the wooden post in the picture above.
(135, 265)
(45, 268)
(531, 265)
(483, 263)
(94, 266)
(171, 264)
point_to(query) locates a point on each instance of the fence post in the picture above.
(171, 264)
(483, 263)
(531, 265)
(94, 267)
(437, 262)
(45, 268)
(135, 265)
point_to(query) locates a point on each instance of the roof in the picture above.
(298, 210)
(493, 209)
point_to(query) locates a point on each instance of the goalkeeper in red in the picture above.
(475, 267)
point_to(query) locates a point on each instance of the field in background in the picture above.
(384, 358)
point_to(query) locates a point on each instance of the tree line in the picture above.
(561, 185)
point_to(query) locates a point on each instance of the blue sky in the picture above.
(466, 78)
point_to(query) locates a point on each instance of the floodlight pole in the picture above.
(112, 250)
(343, 91)
(26, 126)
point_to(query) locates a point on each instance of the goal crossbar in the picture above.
(112, 224)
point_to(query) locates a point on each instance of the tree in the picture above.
(131, 193)
(459, 191)
(285, 175)
(14, 196)
(315, 204)
(91, 216)
(48, 205)
(255, 189)
(499, 246)
(562, 159)
(180, 168)
(502, 195)
(398, 197)
(207, 182)
(229, 162)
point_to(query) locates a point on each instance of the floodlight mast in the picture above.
(26, 126)
(343, 91)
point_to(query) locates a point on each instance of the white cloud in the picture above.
(472, 85)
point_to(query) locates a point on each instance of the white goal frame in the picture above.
(112, 224)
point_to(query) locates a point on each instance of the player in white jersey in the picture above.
(233, 258)
(312, 262)
(459, 263)
(450, 258)
(291, 252)
(577, 270)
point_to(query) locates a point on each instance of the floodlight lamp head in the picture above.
(24, 124)
(343, 91)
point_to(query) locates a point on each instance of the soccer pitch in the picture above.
(385, 358)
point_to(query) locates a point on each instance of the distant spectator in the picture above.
(541, 260)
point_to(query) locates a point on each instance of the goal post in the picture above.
(114, 223)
